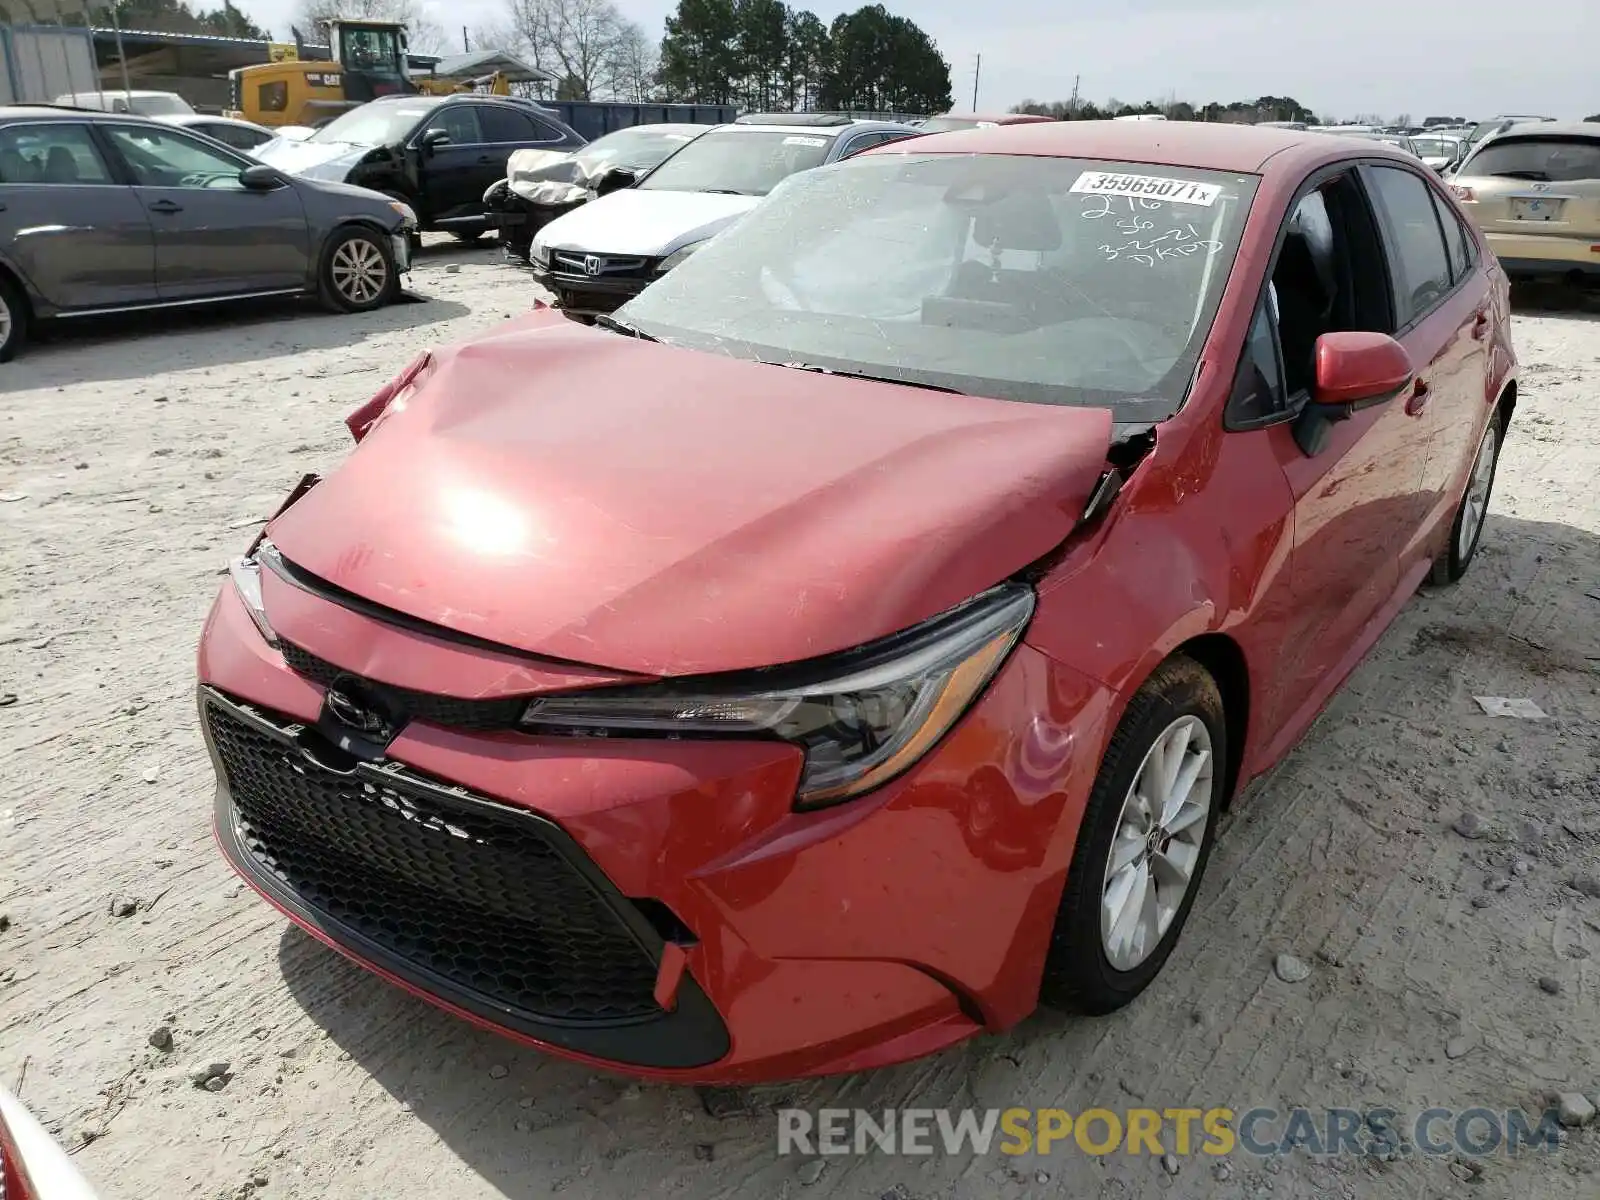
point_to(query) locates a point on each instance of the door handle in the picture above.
(485, 158)
(1418, 400)
(165, 206)
(1480, 324)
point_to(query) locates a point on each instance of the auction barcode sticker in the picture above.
(1147, 187)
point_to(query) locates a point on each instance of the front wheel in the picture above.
(467, 236)
(1143, 844)
(1467, 529)
(358, 272)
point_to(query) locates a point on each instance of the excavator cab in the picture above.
(372, 57)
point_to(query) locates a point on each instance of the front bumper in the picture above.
(772, 944)
(588, 293)
(400, 243)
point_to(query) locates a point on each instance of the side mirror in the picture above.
(260, 178)
(433, 139)
(1354, 371)
(614, 180)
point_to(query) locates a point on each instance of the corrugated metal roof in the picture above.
(485, 62)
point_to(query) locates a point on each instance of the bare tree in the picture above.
(578, 40)
(634, 66)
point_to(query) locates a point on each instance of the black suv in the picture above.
(439, 154)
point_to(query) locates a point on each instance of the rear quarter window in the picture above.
(1539, 159)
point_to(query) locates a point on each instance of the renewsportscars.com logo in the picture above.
(1262, 1132)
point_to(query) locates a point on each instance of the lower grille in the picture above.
(453, 711)
(467, 891)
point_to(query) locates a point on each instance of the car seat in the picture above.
(60, 166)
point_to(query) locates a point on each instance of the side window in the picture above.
(1463, 250)
(546, 132)
(1454, 247)
(1418, 261)
(166, 158)
(1258, 390)
(50, 153)
(460, 121)
(1327, 277)
(504, 125)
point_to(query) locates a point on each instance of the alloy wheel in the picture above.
(1475, 505)
(5, 320)
(1157, 845)
(359, 272)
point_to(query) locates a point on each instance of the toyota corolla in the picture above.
(853, 642)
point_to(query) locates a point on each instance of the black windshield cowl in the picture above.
(821, 370)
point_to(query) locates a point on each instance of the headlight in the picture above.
(862, 717)
(408, 216)
(677, 256)
(245, 572)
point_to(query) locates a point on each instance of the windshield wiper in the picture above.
(820, 370)
(1535, 176)
(724, 192)
(607, 321)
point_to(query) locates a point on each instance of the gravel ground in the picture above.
(133, 464)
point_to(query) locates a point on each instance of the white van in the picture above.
(145, 104)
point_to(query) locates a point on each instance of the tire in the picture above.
(1080, 973)
(357, 273)
(13, 319)
(1466, 531)
(467, 236)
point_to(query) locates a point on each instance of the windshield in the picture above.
(159, 106)
(372, 124)
(641, 147)
(1432, 147)
(747, 162)
(1541, 159)
(1050, 280)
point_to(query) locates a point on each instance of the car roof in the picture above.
(1204, 145)
(659, 127)
(1552, 129)
(66, 112)
(997, 118)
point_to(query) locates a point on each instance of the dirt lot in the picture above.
(132, 466)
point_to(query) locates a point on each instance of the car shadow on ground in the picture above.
(139, 345)
(1521, 621)
(1555, 299)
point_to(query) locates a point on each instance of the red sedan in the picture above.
(853, 642)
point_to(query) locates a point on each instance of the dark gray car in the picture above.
(102, 212)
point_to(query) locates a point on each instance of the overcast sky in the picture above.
(1465, 58)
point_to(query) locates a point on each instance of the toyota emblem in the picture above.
(593, 264)
(353, 713)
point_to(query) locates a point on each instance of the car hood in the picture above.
(595, 498)
(309, 158)
(646, 223)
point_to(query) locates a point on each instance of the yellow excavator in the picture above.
(367, 59)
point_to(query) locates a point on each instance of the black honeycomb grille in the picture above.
(452, 711)
(464, 889)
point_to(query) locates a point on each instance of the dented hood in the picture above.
(586, 496)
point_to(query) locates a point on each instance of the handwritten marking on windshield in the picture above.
(1180, 242)
(1153, 187)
